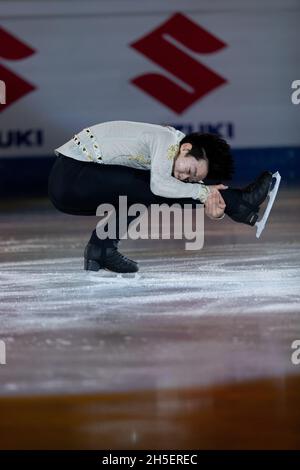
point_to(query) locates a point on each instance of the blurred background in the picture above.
(217, 66)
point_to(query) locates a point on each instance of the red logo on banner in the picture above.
(197, 79)
(12, 48)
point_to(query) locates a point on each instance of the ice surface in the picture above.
(226, 313)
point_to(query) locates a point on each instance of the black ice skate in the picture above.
(252, 196)
(255, 193)
(107, 257)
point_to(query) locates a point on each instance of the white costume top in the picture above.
(139, 145)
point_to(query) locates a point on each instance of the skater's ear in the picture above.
(185, 148)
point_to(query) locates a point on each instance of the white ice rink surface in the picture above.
(224, 314)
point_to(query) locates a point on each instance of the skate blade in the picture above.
(260, 225)
(107, 274)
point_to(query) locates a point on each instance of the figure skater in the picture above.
(150, 164)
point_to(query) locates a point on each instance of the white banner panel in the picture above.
(198, 65)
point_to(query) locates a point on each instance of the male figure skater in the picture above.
(149, 163)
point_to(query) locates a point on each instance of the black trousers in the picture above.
(77, 188)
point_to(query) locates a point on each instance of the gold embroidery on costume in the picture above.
(204, 192)
(139, 158)
(172, 151)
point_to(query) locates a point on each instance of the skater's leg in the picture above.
(77, 187)
(80, 187)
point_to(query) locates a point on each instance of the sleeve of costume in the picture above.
(163, 148)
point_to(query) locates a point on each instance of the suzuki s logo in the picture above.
(164, 46)
(15, 87)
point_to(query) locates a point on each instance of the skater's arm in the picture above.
(163, 149)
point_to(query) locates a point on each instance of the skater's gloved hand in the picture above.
(215, 205)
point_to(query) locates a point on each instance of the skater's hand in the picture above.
(214, 205)
(217, 186)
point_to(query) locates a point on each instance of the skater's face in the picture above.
(187, 168)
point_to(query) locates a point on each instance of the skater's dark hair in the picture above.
(216, 152)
